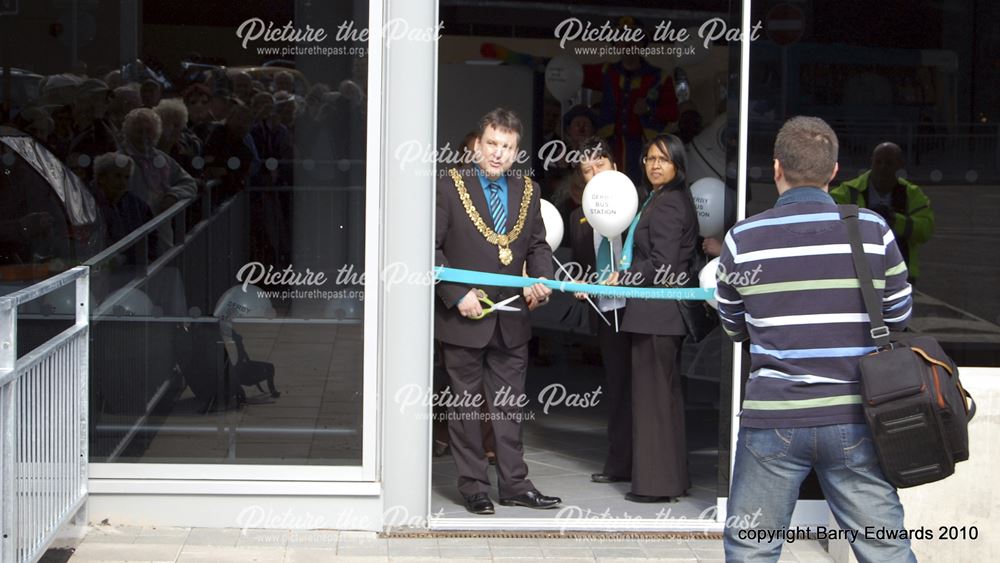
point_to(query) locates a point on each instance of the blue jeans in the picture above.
(771, 464)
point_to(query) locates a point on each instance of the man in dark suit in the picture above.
(592, 252)
(489, 221)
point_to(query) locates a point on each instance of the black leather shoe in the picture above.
(479, 503)
(605, 478)
(531, 499)
(648, 498)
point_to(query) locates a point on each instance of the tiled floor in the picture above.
(195, 545)
(316, 420)
(562, 448)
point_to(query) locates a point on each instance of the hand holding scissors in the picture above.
(490, 306)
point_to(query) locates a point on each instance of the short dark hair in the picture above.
(673, 147)
(501, 118)
(576, 111)
(593, 148)
(196, 90)
(807, 149)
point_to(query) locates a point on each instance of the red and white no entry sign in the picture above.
(785, 24)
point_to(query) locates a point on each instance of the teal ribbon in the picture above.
(478, 279)
(604, 266)
(626, 260)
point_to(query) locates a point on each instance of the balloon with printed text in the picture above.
(609, 202)
(710, 202)
(563, 77)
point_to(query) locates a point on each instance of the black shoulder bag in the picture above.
(916, 408)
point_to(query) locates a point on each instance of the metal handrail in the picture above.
(43, 424)
(140, 233)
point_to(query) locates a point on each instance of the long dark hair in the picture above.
(673, 147)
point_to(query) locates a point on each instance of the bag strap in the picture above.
(879, 332)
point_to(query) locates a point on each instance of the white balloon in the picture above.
(610, 202)
(59, 302)
(553, 224)
(563, 77)
(237, 302)
(707, 280)
(710, 202)
(342, 308)
(130, 303)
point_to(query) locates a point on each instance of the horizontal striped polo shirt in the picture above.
(787, 283)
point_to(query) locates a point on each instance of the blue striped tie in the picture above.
(497, 210)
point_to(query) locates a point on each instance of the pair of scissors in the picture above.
(491, 306)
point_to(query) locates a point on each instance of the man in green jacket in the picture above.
(900, 202)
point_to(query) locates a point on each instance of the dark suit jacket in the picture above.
(581, 236)
(665, 237)
(458, 244)
(581, 240)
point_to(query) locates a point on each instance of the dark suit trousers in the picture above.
(488, 370)
(616, 354)
(659, 464)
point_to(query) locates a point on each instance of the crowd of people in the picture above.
(223, 128)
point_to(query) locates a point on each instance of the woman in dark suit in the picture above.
(615, 346)
(663, 240)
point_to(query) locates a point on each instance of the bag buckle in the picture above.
(879, 332)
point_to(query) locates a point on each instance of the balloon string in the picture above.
(611, 247)
(563, 268)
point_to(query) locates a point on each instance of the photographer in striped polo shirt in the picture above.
(787, 283)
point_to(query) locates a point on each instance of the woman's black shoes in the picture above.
(648, 498)
(605, 478)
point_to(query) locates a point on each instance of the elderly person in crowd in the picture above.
(197, 100)
(272, 140)
(123, 211)
(151, 93)
(158, 179)
(177, 139)
(242, 86)
(286, 107)
(284, 82)
(272, 209)
(230, 152)
(124, 100)
(94, 135)
(36, 122)
(114, 79)
(314, 99)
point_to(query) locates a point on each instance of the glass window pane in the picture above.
(208, 162)
(925, 85)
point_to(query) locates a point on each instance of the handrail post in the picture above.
(8, 334)
(82, 387)
(83, 297)
(8, 448)
(8, 431)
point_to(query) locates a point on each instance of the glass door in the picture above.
(575, 76)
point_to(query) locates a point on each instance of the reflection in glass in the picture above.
(215, 186)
